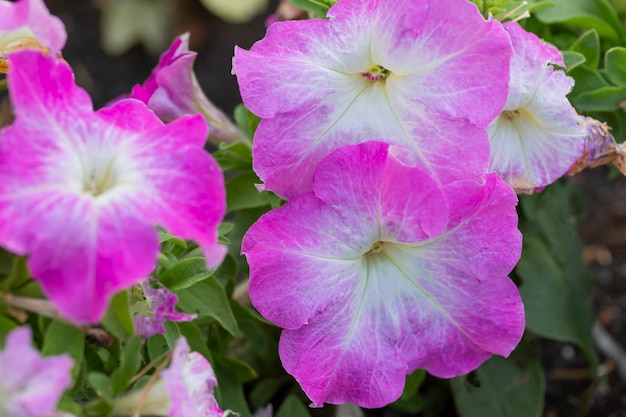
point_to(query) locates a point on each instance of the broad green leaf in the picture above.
(195, 338)
(6, 262)
(130, 362)
(101, 383)
(230, 394)
(69, 405)
(410, 401)
(157, 346)
(572, 59)
(588, 14)
(60, 338)
(208, 298)
(239, 370)
(185, 274)
(555, 287)
(588, 45)
(165, 237)
(172, 333)
(234, 156)
(587, 79)
(6, 325)
(292, 407)
(615, 65)
(241, 192)
(264, 390)
(247, 122)
(317, 7)
(118, 320)
(18, 274)
(507, 389)
(602, 99)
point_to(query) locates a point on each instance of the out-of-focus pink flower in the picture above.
(172, 91)
(81, 191)
(538, 136)
(31, 386)
(28, 24)
(429, 75)
(157, 306)
(379, 271)
(185, 389)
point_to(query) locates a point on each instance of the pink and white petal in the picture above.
(457, 60)
(82, 252)
(42, 90)
(134, 116)
(296, 259)
(285, 157)
(388, 196)
(190, 382)
(183, 189)
(36, 384)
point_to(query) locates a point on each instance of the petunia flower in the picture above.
(172, 91)
(154, 305)
(31, 386)
(538, 136)
(81, 191)
(426, 74)
(379, 271)
(28, 24)
(185, 389)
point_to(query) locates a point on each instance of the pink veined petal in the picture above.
(539, 136)
(435, 296)
(33, 16)
(190, 382)
(80, 192)
(183, 190)
(36, 384)
(309, 81)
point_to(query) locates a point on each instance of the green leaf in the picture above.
(234, 156)
(185, 274)
(317, 7)
(208, 298)
(555, 287)
(292, 407)
(195, 338)
(118, 320)
(19, 274)
(572, 59)
(602, 99)
(410, 401)
(157, 346)
(615, 65)
(587, 79)
(130, 362)
(239, 370)
(241, 192)
(588, 45)
(507, 389)
(264, 390)
(231, 395)
(66, 338)
(165, 237)
(588, 14)
(101, 383)
(246, 121)
(6, 325)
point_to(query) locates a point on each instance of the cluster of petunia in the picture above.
(400, 132)
(80, 194)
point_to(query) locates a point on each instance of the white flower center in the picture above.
(101, 178)
(376, 73)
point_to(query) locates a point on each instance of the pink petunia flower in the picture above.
(425, 74)
(154, 306)
(185, 389)
(172, 91)
(379, 271)
(538, 136)
(31, 386)
(28, 23)
(80, 191)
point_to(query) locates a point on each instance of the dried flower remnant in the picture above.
(81, 191)
(31, 386)
(600, 148)
(538, 136)
(402, 71)
(28, 24)
(381, 272)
